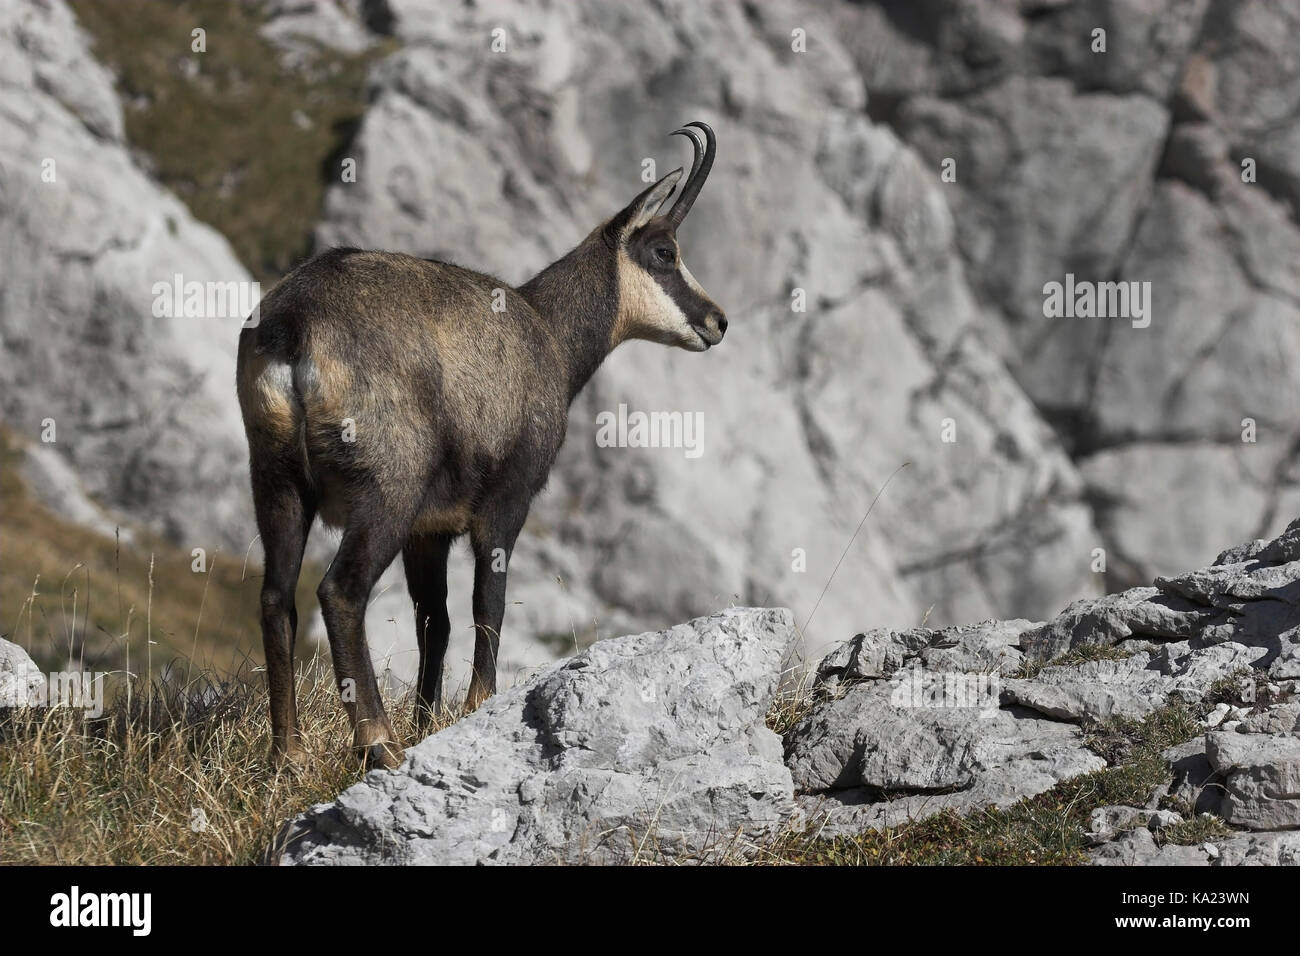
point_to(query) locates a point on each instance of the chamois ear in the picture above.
(643, 208)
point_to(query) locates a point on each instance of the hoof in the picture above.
(383, 755)
(475, 698)
(291, 760)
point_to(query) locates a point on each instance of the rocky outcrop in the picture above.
(911, 723)
(887, 752)
(916, 721)
(1261, 778)
(656, 745)
(1133, 686)
(641, 748)
(1249, 598)
(1245, 776)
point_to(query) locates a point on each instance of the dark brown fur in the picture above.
(457, 412)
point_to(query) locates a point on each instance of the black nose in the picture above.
(722, 321)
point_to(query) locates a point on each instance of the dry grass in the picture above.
(169, 775)
(1202, 828)
(795, 698)
(186, 737)
(71, 596)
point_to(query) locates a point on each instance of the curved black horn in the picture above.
(705, 146)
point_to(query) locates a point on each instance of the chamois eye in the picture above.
(665, 255)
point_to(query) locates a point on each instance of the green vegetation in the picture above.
(1197, 829)
(1078, 655)
(246, 139)
(1232, 690)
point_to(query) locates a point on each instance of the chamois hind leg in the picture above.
(493, 541)
(425, 560)
(369, 545)
(285, 510)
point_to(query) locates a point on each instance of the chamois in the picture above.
(387, 395)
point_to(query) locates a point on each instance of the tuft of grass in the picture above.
(1077, 655)
(1127, 740)
(1198, 829)
(793, 702)
(1245, 687)
(170, 774)
(247, 138)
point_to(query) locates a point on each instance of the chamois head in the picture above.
(658, 298)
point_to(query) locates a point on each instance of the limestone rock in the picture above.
(641, 747)
(1133, 686)
(1139, 848)
(1262, 778)
(917, 733)
(21, 681)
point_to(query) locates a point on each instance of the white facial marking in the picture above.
(646, 311)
